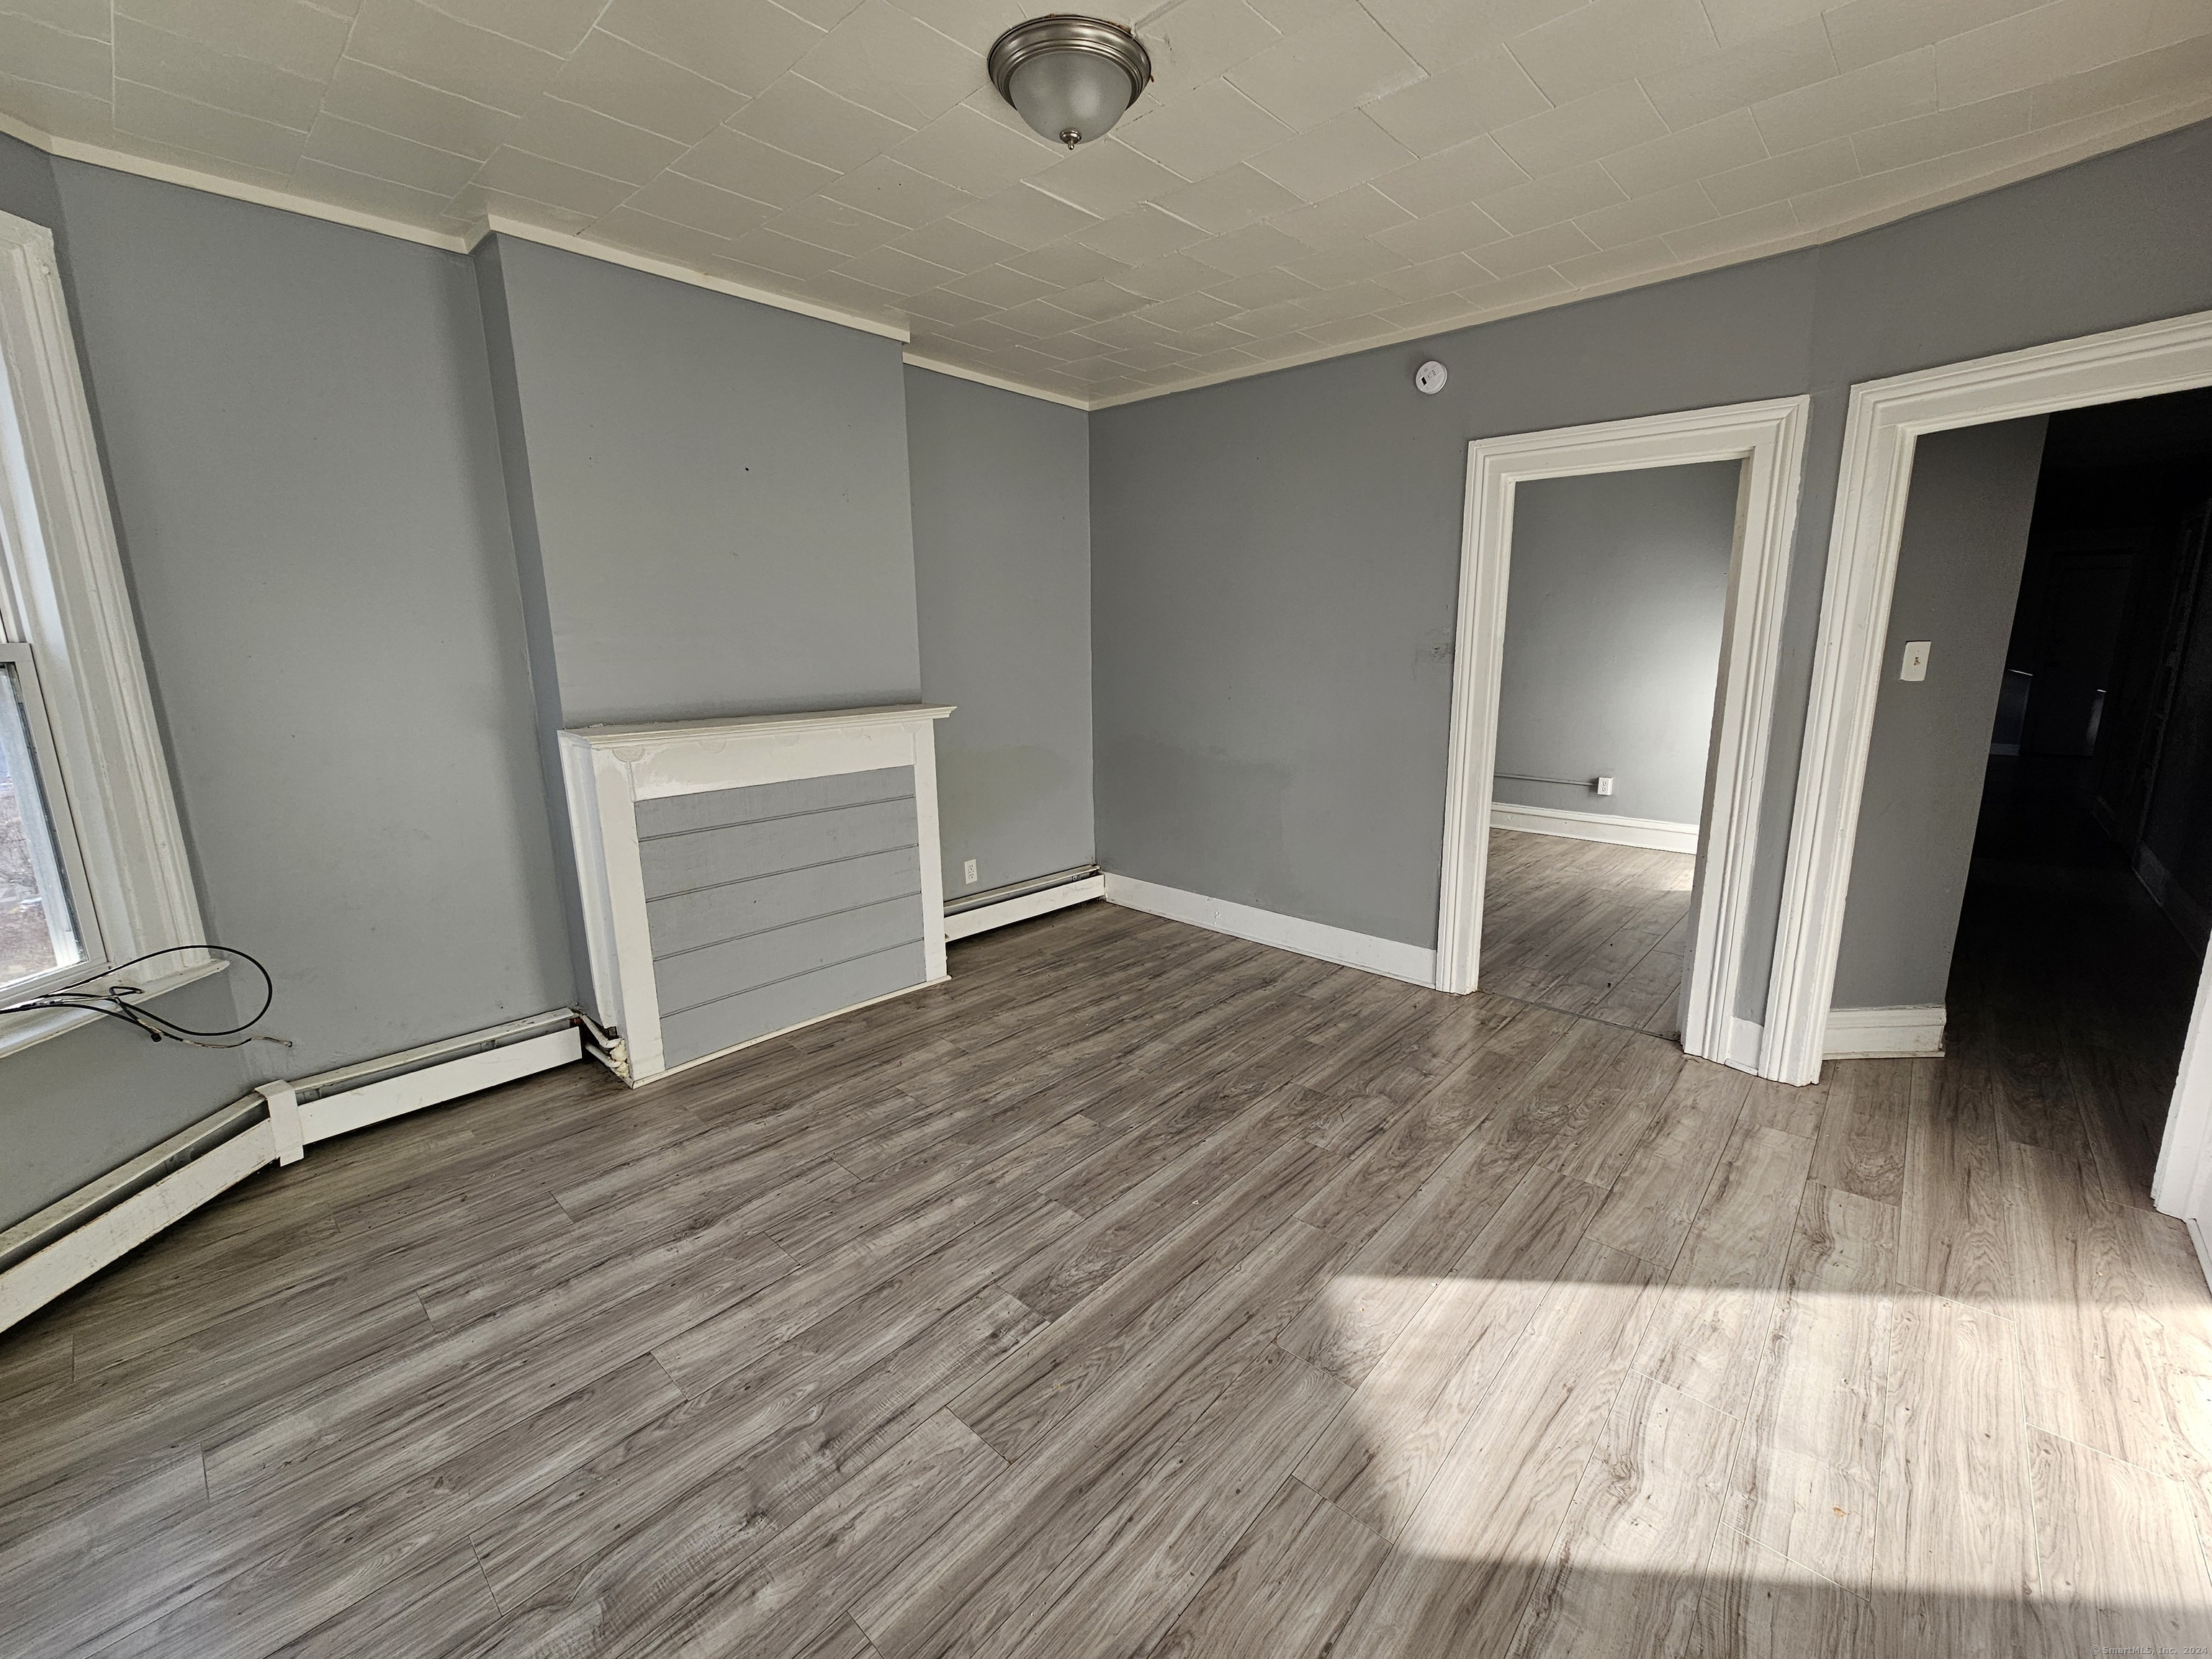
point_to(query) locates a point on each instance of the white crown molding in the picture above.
(962, 372)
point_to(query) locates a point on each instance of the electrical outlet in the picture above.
(1914, 665)
(968, 872)
(1604, 785)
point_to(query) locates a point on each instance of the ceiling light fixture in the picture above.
(1071, 77)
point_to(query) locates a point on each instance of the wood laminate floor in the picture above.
(1588, 928)
(1143, 1292)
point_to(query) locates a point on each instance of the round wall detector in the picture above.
(1430, 377)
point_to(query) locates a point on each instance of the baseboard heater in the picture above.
(71, 1239)
(1019, 901)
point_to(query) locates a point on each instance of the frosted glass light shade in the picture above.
(1070, 78)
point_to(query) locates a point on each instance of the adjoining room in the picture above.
(858, 830)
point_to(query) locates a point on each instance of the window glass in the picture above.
(38, 928)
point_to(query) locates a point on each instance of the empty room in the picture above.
(1271, 829)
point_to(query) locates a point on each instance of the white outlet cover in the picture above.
(1430, 377)
(1915, 666)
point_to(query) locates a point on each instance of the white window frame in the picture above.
(63, 593)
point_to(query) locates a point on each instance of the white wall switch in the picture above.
(1604, 786)
(1916, 661)
(968, 872)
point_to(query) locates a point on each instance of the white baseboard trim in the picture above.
(340, 1105)
(2203, 1247)
(1885, 1033)
(1414, 963)
(1658, 834)
(1746, 1038)
(984, 917)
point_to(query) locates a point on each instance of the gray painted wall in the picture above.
(1958, 583)
(1276, 558)
(718, 519)
(1002, 577)
(299, 444)
(1613, 609)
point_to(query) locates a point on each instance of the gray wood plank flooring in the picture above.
(1588, 928)
(1143, 1292)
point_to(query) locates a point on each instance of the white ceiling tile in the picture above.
(1168, 276)
(743, 44)
(970, 151)
(165, 118)
(1613, 264)
(2184, 68)
(1906, 143)
(1205, 129)
(1065, 264)
(367, 193)
(1515, 292)
(1348, 263)
(207, 75)
(1024, 216)
(54, 110)
(1333, 156)
(1261, 287)
(585, 138)
(1141, 233)
(1230, 200)
(956, 247)
(1450, 230)
(815, 123)
(1462, 173)
(1443, 311)
(891, 190)
(1198, 40)
(1600, 125)
(697, 205)
(998, 286)
(425, 44)
(541, 178)
(1098, 301)
(1358, 212)
(1894, 89)
(943, 306)
(1646, 216)
(740, 162)
(786, 256)
(1608, 41)
(1107, 178)
(1122, 333)
(840, 288)
(1517, 255)
(554, 26)
(609, 74)
(1865, 31)
(1441, 34)
(1729, 141)
(1305, 78)
(1548, 200)
(377, 98)
(834, 225)
(349, 147)
(627, 228)
(304, 39)
(206, 162)
(54, 56)
(2019, 52)
(1489, 90)
(1762, 67)
(823, 14)
(1189, 311)
(92, 19)
(1266, 321)
(1350, 331)
(1431, 278)
(1037, 317)
(1783, 176)
(886, 61)
(1244, 251)
(1735, 21)
(1737, 233)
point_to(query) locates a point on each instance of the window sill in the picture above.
(21, 1031)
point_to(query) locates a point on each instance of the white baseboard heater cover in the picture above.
(741, 878)
(73, 1238)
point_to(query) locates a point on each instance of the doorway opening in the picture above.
(1615, 608)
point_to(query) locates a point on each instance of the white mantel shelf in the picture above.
(609, 769)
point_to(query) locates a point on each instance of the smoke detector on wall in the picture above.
(1430, 377)
(1072, 78)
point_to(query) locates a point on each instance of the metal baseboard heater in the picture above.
(71, 1239)
(1019, 901)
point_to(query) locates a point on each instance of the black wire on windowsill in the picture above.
(115, 1002)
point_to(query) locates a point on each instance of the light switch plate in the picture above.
(1916, 661)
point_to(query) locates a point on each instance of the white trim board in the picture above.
(1769, 439)
(1022, 907)
(2189, 919)
(1388, 957)
(1657, 834)
(1885, 1033)
(1886, 418)
(281, 1137)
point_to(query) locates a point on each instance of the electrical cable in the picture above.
(114, 1001)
